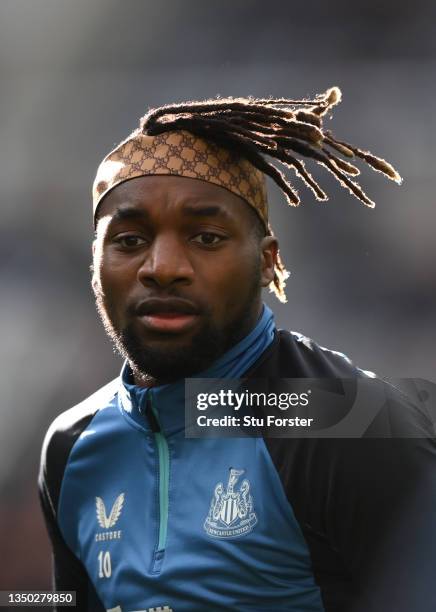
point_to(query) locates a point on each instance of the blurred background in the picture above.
(74, 79)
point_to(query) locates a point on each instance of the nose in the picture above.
(166, 263)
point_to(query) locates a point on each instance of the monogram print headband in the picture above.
(181, 153)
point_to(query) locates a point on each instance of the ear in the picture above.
(269, 248)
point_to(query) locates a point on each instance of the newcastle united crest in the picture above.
(231, 512)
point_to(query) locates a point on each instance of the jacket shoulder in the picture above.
(61, 437)
(293, 355)
(310, 359)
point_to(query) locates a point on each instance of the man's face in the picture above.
(178, 271)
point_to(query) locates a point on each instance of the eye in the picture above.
(129, 241)
(208, 239)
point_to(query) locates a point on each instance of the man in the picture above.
(143, 518)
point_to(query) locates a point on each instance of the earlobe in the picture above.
(269, 250)
(94, 281)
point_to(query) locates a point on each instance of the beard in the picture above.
(153, 364)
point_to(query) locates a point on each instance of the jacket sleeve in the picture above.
(68, 572)
(379, 517)
(367, 508)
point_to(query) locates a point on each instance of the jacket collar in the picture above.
(169, 400)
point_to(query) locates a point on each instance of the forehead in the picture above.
(173, 195)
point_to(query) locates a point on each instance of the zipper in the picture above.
(163, 477)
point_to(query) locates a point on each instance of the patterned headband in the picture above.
(183, 154)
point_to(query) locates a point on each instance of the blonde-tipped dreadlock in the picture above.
(278, 128)
(273, 127)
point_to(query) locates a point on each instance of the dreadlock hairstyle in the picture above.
(278, 128)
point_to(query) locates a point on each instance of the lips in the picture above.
(167, 315)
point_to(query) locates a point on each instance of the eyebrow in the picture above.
(130, 212)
